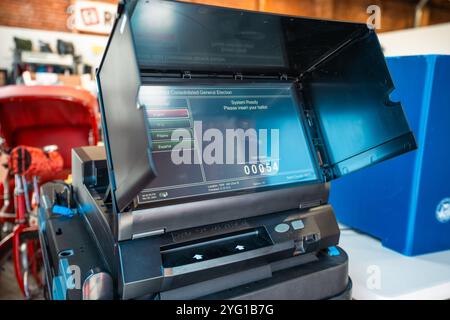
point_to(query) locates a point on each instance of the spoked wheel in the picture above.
(27, 260)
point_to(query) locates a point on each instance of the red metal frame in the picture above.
(15, 105)
(25, 107)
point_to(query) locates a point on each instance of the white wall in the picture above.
(426, 40)
(88, 46)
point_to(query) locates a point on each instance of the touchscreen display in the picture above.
(217, 139)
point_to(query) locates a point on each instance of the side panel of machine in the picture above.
(89, 170)
(123, 122)
(70, 252)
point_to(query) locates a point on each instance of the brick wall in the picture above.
(37, 14)
(396, 14)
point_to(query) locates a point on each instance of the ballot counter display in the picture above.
(222, 129)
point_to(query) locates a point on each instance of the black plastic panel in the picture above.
(350, 95)
(184, 36)
(326, 278)
(123, 122)
(173, 217)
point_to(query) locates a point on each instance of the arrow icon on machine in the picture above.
(239, 247)
(198, 257)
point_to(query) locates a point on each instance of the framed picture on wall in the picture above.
(3, 77)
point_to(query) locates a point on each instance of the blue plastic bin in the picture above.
(405, 202)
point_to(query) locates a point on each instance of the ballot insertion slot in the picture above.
(214, 247)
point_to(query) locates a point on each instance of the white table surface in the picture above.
(380, 273)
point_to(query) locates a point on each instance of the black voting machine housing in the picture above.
(128, 251)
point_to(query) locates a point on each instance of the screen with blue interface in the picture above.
(217, 139)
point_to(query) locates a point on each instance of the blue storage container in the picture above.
(405, 202)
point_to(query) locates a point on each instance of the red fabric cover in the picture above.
(30, 162)
(64, 137)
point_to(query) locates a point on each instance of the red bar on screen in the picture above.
(168, 113)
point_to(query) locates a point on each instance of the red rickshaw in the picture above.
(34, 122)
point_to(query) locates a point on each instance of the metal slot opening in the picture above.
(215, 247)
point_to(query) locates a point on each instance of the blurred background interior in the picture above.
(61, 41)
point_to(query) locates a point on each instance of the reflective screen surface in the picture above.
(216, 139)
(179, 35)
(172, 35)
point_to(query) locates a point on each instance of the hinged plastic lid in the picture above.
(178, 36)
(349, 94)
(123, 121)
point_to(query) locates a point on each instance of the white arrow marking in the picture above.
(239, 247)
(198, 257)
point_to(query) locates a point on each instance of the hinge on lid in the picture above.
(187, 75)
(318, 146)
(238, 76)
(327, 173)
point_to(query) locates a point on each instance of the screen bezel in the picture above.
(222, 194)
